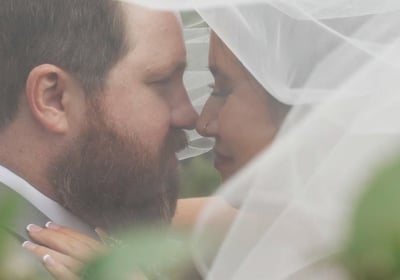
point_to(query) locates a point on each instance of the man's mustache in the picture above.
(177, 140)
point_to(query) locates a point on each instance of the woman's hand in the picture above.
(65, 251)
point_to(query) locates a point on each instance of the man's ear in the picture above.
(47, 90)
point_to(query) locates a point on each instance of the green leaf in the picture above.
(152, 253)
(373, 248)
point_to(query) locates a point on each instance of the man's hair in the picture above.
(85, 38)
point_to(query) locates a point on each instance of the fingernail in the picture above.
(100, 232)
(33, 228)
(102, 235)
(47, 259)
(29, 245)
(52, 225)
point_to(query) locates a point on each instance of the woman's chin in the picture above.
(225, 167)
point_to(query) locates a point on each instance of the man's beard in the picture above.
(111, 180)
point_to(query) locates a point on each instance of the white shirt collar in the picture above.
(49, 207)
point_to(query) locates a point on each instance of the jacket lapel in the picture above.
(25, 213)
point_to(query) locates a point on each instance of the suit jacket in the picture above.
(13, 233)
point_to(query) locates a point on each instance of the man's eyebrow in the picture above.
(173, 69)
(181, 66)
(178, 67)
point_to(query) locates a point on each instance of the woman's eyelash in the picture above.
(219, 93)
(222, 93)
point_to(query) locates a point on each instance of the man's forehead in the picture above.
(155, 40)
(135, 10)
(145, 23)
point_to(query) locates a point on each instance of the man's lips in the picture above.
(173, 161)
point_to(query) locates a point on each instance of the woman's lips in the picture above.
(221, 161)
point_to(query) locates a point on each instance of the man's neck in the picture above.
(30, 170)
(26, 150)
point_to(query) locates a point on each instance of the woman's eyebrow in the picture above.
(217, 72)
(213, 69)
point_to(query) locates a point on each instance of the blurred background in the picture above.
(198, 176)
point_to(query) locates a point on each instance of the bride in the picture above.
(335, 65)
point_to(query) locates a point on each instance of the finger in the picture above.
(59, 271)
(101, 233)
(94, 244)
(61, 242)
(41, 251)
(106, 239)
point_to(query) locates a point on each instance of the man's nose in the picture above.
(183, 114)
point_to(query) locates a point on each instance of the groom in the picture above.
(92, 108)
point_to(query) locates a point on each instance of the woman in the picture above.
(339, 72)
(241, 116)
(337, 67)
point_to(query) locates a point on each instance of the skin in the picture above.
(238, 115)
(145, 92)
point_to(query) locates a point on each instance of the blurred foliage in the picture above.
(372, 251)
(199, 177)
(144, 255)
(9, 206)
(13, 264)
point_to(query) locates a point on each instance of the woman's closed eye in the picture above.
(216, 92)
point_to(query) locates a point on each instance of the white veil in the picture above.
(339, 67)
(337, 63)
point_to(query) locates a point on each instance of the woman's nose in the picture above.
(207, 128)
(207, 124)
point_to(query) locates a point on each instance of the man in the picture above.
(91, 110)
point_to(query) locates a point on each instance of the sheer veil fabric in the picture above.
(337, 64)
(196, 77)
